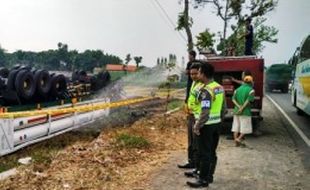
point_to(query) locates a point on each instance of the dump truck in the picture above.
(278, 77)
(233, 67)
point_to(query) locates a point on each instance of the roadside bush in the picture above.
(132, 141)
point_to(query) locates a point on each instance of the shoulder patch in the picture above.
(205, 104)
(218, 90)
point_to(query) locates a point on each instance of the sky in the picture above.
(138, 27)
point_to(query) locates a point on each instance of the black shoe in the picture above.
(197, 184)
(186, 166)
(191, 174)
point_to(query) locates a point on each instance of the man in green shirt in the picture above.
(242, 98)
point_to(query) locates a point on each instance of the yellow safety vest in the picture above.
(192, 102)
(217, 94)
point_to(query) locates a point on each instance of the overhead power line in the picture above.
(168, 19)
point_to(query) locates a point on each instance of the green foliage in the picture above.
(128, 59)
(138, 60)
(132, 141)
(183, 22)
(239, 11)
(262, 34)
(59, 59)
(205, 40)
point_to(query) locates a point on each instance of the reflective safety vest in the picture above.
(192, 102)
(217, 94)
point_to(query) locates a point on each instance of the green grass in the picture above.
(132, 141)
(175, 104)
(115, 75)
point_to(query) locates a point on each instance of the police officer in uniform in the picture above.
(192, 106)
(208, 120)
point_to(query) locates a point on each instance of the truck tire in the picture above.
(25, 85)
(58, 86)
(284, 89)
(43, 82)
(75, 76)
(4, 72)
(11, 79)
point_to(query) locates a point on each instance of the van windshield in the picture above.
(305, 50)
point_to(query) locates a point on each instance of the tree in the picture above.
(238, 11)
(205, 40)
(138, 60)
(262, 35)
(2, 57)
(128, 59)
(224, 9)
(185, 22)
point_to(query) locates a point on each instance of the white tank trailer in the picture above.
(16, 133)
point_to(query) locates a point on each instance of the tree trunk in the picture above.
(190, 44)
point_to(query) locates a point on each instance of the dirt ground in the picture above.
(270, 161)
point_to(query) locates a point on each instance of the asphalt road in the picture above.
(302, 137)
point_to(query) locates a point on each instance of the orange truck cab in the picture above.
(227, 67)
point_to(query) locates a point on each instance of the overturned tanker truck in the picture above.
(22, 86)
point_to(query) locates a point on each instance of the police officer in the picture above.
(192, 106)
(191, 58)
(208, 120)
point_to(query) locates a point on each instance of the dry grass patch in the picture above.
(120, 158)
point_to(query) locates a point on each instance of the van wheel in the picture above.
(285, 89)
(300, 112)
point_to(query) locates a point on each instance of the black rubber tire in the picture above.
(58, 86)
(25, 85)
(285, 89)
(11, 79)
(300, 112)
(75, 76)
(43, 82)
(103, 79)
(83, 78)
(4, 72)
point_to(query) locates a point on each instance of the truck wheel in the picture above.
(284, 89)
(58, 86)
(43, 82)
(11, 79)
(4, 72)
(25, 85)
(75, 76)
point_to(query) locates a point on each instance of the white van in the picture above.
(300, 93)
